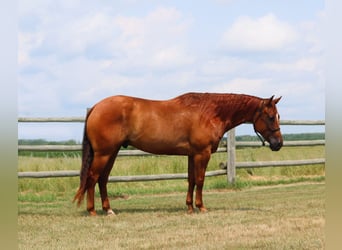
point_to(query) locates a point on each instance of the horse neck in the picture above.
(237, 109)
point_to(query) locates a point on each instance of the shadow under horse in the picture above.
(191, 124)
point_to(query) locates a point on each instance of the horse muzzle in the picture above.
(275, 143)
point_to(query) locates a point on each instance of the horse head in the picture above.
(266, 123)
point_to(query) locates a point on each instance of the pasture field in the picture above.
(276, 217)
(267, 208)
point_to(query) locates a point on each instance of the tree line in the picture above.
(286, 137)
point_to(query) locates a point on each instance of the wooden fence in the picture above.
(228, 169)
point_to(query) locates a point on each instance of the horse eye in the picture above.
(272, 118)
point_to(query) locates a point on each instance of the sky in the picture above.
(72, 54)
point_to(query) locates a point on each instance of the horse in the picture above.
(191, 124)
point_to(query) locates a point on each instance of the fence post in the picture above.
(231, 156)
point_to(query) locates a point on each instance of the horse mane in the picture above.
(218, 104)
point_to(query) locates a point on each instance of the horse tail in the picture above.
(87, 158)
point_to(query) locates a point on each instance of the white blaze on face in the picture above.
(277, 117)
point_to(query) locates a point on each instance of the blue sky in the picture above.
(73, 53)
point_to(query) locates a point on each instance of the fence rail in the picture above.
(228, 168)
(223, 171)
(63, 148)
(82, 119)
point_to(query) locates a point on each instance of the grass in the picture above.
(274, 217)
(267, 208)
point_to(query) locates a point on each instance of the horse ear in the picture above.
(277, 100)
(270, 100)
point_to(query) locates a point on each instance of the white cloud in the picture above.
(308, 64)
(170, 58)
(40, 96)
(312, 32)
(162, 32)
(156, 41)
(224, 2)
(27, 42)
(221, 66)
(97, 54)
(260, 34)
(240, 85)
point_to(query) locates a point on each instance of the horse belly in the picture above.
(161, 144)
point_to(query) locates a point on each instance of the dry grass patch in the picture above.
(279, 217)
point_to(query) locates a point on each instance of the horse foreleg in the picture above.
(103, 180)
(201, 162)
(191, 185)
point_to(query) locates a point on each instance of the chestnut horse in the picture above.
(191, 124)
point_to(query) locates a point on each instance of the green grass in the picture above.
(143, 165)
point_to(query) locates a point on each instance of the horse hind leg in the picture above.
(97, 169)
(102, 181)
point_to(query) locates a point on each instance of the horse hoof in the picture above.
(203, 210)
(110, 212)
(190, 209)
(92, 213)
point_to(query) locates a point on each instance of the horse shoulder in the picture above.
(207, 134)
